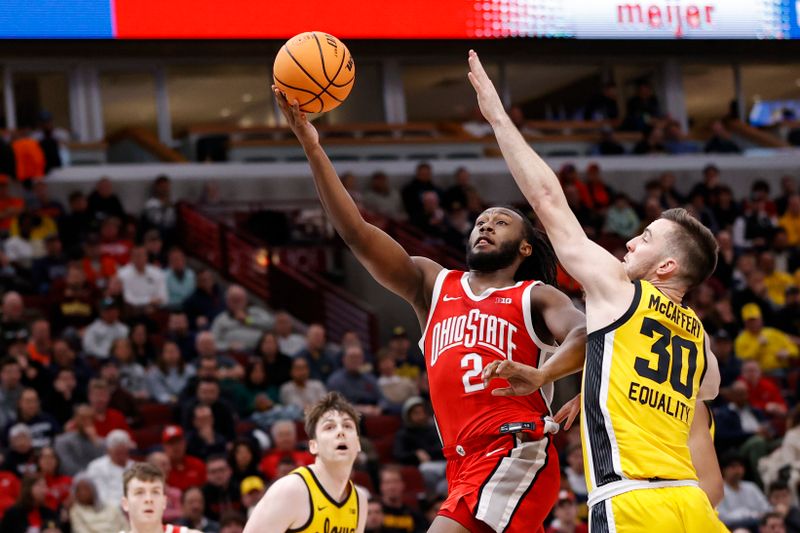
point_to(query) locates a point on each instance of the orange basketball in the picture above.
(316, 69)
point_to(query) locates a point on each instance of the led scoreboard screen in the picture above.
(400, 19)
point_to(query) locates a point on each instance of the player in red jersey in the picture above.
(502, 471)
(145, 499)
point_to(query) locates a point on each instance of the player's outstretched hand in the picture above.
(522, 379)
(569, 411)
(305, 132)
(488, 99)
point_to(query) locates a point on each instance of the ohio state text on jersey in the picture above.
(464, 333)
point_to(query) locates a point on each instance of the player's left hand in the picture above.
(488, 99)
(568, 412)
(522, 379)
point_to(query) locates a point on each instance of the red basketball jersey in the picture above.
(464, 333)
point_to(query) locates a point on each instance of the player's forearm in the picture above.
(533, 176)
(568, 358)
(335, 199)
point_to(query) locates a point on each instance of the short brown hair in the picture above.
(696, 245)
(98, 384)
(142, 472)
(333, 401)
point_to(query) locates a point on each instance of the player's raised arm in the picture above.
(593, 267)
(381, 255)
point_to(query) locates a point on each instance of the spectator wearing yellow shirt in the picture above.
(769, 346)
(790, 221)
(776, 281)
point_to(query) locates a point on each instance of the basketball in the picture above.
(316, 69)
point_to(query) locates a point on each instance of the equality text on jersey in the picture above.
(470, 330)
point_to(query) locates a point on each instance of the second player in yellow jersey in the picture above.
(319, 498)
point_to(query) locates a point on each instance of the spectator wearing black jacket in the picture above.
(8, 160)
(642, 108)
(244, 458)
(603, 105)
(20, 457)
(720, 141)
(725, 208)
(43, 426)
(737, 421)
(709, 185)
(221, 495)
(50, 268)
(202, 440)
(206, 302)
(417, 444)
(61, 400)
(412, 191)
(208, 393)
(277, 365)
(75, 226)
(103, 203)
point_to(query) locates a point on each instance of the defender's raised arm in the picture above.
(592, 266)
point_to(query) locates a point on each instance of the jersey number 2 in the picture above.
(668, 364)
(476, 362)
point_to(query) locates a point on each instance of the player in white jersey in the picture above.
(144, 500)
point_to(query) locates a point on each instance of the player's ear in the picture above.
(125, 504)
(525, 248)
(668, 267)
(312, 446)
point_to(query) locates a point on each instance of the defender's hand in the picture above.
(522, 379)
(488, 99)
(569, 411)
(305, 132)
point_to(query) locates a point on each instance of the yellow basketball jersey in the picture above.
(639, 387)
(326, 515)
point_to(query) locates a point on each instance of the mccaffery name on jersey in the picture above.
(675, 313)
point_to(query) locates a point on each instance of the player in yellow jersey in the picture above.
(320, 497)
(647, 358)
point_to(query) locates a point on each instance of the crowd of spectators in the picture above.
(115, 348)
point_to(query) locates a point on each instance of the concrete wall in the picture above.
(292, 181)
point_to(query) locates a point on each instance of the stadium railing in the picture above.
(265, 271)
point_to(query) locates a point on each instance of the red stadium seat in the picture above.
(301, 431)
(241, 358)
(378, 426)
(156, 414)
(244, 427)
(147, 437)
(410, 499)
(363, 479)
(385, 448)
(413, 479)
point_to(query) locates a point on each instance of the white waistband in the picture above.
(626, 485)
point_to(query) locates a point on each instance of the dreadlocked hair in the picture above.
(542, 264)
